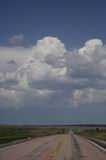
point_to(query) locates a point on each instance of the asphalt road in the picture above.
(59, 147)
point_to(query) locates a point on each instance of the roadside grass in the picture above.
(98, 133)
(14, 133)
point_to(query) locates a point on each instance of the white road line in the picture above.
(96, 145)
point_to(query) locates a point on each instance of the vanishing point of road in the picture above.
(57, 147)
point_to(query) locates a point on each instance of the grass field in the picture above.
(99, 133)
(13, 133)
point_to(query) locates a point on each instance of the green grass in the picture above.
(13, 133)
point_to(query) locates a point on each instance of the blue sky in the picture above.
(73, 21)
(52, 61)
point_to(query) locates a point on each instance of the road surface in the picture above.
(58, 147)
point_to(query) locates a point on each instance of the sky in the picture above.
(52, 62)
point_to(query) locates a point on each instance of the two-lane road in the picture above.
(59, 147)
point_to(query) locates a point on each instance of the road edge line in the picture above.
(96, 145)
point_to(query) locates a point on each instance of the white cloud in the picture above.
(51, 74)
(90, 46)
(49, 46)
(86, 62)
(16, 39)
(39, 68)
(19, 54)
(89, 95)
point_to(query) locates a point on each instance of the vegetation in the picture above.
(99, 133)
(14, 133)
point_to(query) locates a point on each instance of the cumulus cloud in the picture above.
(16, 39)
(46, 63)
(86, 62)
(53, 76)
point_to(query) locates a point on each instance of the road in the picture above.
(58, 147)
